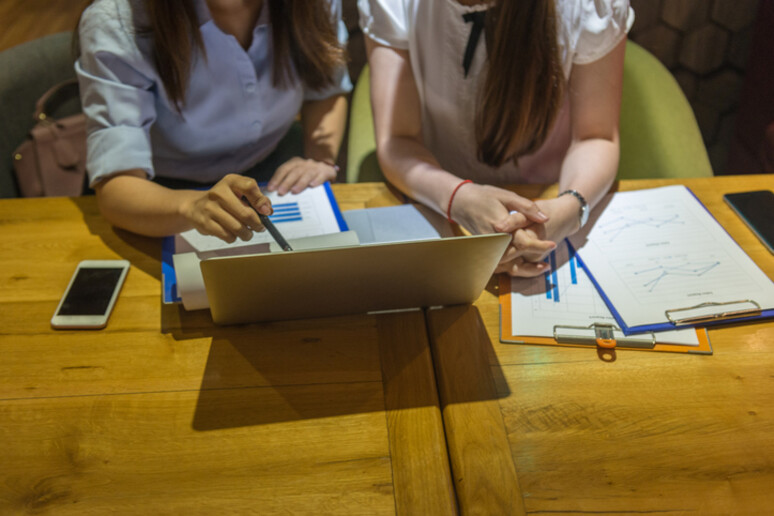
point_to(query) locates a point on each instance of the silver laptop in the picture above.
(350, 280)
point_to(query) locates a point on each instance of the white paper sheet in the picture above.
(659, 249)
(566, 296)
(306, 214)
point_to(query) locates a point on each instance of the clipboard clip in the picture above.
(603, 336)
(703, 316)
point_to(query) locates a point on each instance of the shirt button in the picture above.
(256, 124)
(250, 87)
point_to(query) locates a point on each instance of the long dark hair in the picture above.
(304, 36)
(524, 86)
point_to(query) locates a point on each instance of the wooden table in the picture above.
(164, 413)
(551, 430)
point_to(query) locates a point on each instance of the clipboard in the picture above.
(596, 335)
(706, 314)
(706, 311)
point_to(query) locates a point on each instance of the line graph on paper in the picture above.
(658, 249)
(653, 276)
(623, 224)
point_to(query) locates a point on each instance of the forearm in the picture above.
(324, 122)
(411, 167)
(590, 167)
(133, 203)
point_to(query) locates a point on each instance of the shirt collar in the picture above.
(204, 15)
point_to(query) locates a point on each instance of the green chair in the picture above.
(29, 70)
(659, 134)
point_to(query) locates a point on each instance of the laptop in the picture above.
(350, 280)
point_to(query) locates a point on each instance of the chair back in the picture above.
(29, 70)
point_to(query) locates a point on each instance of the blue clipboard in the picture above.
(631, 330)
(752, 312)
(168, 278)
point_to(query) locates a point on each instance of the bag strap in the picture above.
(40, 105)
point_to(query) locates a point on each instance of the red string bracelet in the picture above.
(454, 192)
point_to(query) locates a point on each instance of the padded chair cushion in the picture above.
(29, 70)
(659, 133)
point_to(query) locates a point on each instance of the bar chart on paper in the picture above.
(312, 212)
(565, 296)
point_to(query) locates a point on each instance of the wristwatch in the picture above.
(584, 206)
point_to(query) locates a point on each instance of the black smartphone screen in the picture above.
(757, 210)
(91, 291)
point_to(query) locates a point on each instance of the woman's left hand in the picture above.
(532, 243)
(298, 173)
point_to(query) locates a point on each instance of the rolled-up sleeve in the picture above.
(116, 94)
(341, 82)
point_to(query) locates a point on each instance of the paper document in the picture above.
(309, 213)
(658, 250)
(566, 297)
(402, 223)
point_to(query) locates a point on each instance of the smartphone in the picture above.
(91, 294)
(757, 211)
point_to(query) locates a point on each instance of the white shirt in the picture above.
(435, 35)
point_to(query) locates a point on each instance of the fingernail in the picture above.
(265, 209)
(542, 215)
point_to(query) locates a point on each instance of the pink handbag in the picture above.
(52, 160)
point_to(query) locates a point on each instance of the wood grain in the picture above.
(421, 472)
(646, 433)
(484, 474)
(165, 413)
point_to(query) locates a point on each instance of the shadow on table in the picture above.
(266, 373)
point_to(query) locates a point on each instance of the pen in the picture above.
(271, 227)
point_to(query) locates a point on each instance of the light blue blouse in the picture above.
(232, 117)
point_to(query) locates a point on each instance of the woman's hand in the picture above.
(298, 173)
(221, 212)
(532, 243)
(488, 209)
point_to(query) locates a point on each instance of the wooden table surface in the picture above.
(164, 413)
(552, 430)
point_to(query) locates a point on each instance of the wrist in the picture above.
(576, 198)
(452, 196)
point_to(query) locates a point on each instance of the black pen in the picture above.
(271, 227)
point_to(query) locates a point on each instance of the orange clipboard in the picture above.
(596, 336)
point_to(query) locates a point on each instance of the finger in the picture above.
(509, 255)
(289, 180)
(528, 208)
(524, 243)
(303, 181)
(326, 174)
(520, 268)
(248, 188)
(230, 222)
(511, 223)
(279, 175)
(225, 206)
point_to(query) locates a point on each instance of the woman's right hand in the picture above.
(221, 212)
(488, 209)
